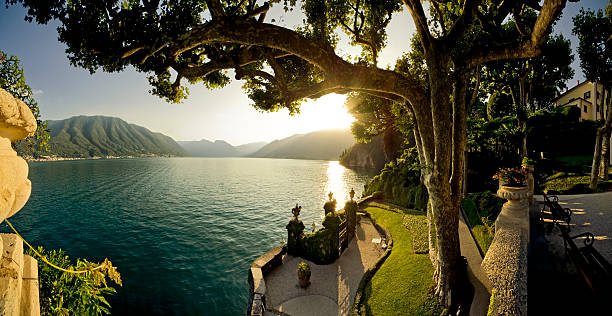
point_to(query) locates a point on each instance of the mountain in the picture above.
(219, 148)
(369, 155)
(323, 145)
(90, 136)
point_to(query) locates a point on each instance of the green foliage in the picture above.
(482, 209)
(403, 282)
(593, 29)
(304, 269)
(13, 81)
(572, 183)
(560, 133)
(416, 223)
(321, 247)
(63, 293)
(499, 105)
(491, 310)
(400, 182)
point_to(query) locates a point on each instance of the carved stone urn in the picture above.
(516, 195)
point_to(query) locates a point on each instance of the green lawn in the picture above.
(571, 183)
(403, 283)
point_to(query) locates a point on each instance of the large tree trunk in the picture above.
(446, 222)
(596, 159)
(605, 157)
(597, 153)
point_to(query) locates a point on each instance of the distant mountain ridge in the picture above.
(219, 148)
(101, 136)
(320, 145)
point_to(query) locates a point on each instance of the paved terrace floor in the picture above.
(555, 287)
(333, 286)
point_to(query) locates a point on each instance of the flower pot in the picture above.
(303, 279)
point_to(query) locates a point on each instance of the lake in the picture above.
(182, 231)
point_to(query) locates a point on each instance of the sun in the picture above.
(326, 112)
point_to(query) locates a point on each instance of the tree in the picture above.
(13, 81)
(201, 40)
(593, 30)
(532, 83)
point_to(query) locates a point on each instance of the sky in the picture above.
(63, 91)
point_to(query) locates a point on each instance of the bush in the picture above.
(63, 293)
(399, 182)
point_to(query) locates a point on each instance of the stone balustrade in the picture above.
(18, 272)
(506, 260)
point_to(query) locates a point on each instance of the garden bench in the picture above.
(596, 271)
(558, 213)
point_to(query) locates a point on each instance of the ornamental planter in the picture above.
(303, 273)
(516, 196)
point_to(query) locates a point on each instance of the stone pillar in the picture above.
(351, 218)
(506, 260)
(18, 289)
(295, 232)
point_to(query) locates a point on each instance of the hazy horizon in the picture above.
(63, 91)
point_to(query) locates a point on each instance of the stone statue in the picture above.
(18, 272)
(352, 194)
(296, 211)
(16, 123)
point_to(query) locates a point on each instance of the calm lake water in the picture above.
(182, 231)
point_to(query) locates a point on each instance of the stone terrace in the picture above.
(333, 286)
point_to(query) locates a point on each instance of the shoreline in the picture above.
(55, 158)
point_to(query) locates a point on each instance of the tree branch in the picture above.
(420, 20)
(216, 10)
(466, 18)
(526, 49)
(338, 71)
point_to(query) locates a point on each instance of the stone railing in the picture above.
(18, 272)
(505, 262)
(257, 285)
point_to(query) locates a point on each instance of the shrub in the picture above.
(399, 182)
(63, 293)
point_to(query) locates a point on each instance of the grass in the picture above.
(483, 232)
(403, 283)
(572, 183)
(416, 223)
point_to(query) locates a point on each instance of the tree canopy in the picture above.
(13, 81)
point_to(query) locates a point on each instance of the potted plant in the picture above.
(303, 272)
(511, 177)
(528, 164)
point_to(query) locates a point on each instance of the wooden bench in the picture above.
(593, 267)
(558, 213)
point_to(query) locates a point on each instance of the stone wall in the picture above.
(257, 285)
(506, 260)
(18, 272)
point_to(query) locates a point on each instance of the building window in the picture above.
(587, 95)
(585, 109)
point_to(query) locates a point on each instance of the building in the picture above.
(589, 96)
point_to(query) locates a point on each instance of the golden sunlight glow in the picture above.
(326, 112)
(336, 174)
